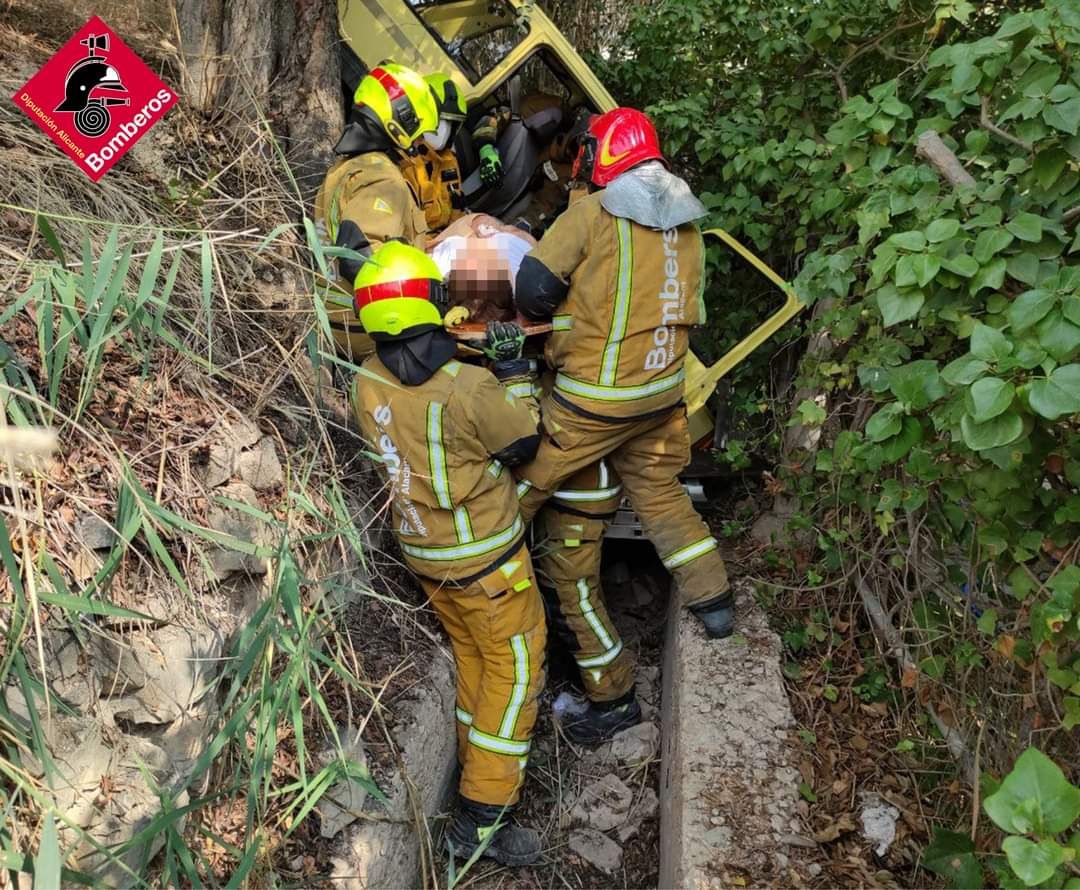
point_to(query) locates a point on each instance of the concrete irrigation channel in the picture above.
(712, 756)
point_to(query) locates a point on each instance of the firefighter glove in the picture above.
(505, 341)
(491, 169)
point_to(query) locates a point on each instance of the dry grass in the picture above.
(136, 413)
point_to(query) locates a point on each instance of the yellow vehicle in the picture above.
(495, 50)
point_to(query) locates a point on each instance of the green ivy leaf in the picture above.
(896, 307)
(990, 243)
(942, 230)
(910, 435)
(905, 272)
(1023, 267)
(913, 241)
(989, 397)
(1057, 395)
(925, 266)
(992, 275)
(989, 343)
(1030, 308)
(1026, 227)
(1070, 308)
(1034, 777)
(933, 666)
(1033, 863)
(964, 370)
(952, 856)
(1058, 336)
(885, 423)
(987, 623)
(1048, 166)
(1001, 430)
(916, 384)
(1072, 712)
(963, 265)
(810, 414)
(1064, 116)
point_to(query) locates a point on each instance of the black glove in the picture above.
(505, 341)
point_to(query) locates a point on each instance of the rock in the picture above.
(383, 851)
(117, 668)
(635, 745)
(340, 805)
(603, 805)
(94, 533)
(224, 561)
(233, 436)
(648, 807)
(814, 869)
(68, 669)
(260, 467)
(179, 667)
(597, 849)
(879, 819)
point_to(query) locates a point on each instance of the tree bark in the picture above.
(246, 61)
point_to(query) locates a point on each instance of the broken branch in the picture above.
(941, 158)
(987, 124)
(895, 646)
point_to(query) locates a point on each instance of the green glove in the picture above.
(505, 341)
(491, 169)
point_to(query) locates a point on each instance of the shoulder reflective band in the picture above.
(466, 551)
(620, 316)
(416, 288)
(522, 487)
(453, 368)
(440, 480)
(497, 744)
(521, 390)
(520, 690)
(562, 322)
(590, 615)
(495, 469)
(689, 553)
(572, 386)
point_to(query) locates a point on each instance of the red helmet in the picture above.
(616, 141)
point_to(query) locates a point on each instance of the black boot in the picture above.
(718, 615)
(601, 720)
(474, 823)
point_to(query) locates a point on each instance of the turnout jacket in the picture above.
(622, 298)
(455, 505)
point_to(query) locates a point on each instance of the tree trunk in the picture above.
(249, 60)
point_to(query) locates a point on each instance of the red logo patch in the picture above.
(95, 98)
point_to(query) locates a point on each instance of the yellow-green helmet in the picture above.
(448, 100)
(398, 288)
(400, 100)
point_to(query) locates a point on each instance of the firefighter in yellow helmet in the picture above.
(432, 169)
(621, 275)
(364, 200)
(447, 433)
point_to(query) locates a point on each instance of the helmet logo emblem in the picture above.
(606, 157)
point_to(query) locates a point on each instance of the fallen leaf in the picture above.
(909, 677)
(834, 829)
(859, 743)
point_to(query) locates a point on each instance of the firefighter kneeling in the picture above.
(447, 432)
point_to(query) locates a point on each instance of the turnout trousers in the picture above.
(648, 455)
(567, 548)
(497, 633)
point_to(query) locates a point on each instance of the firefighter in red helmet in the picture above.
(620, 274)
